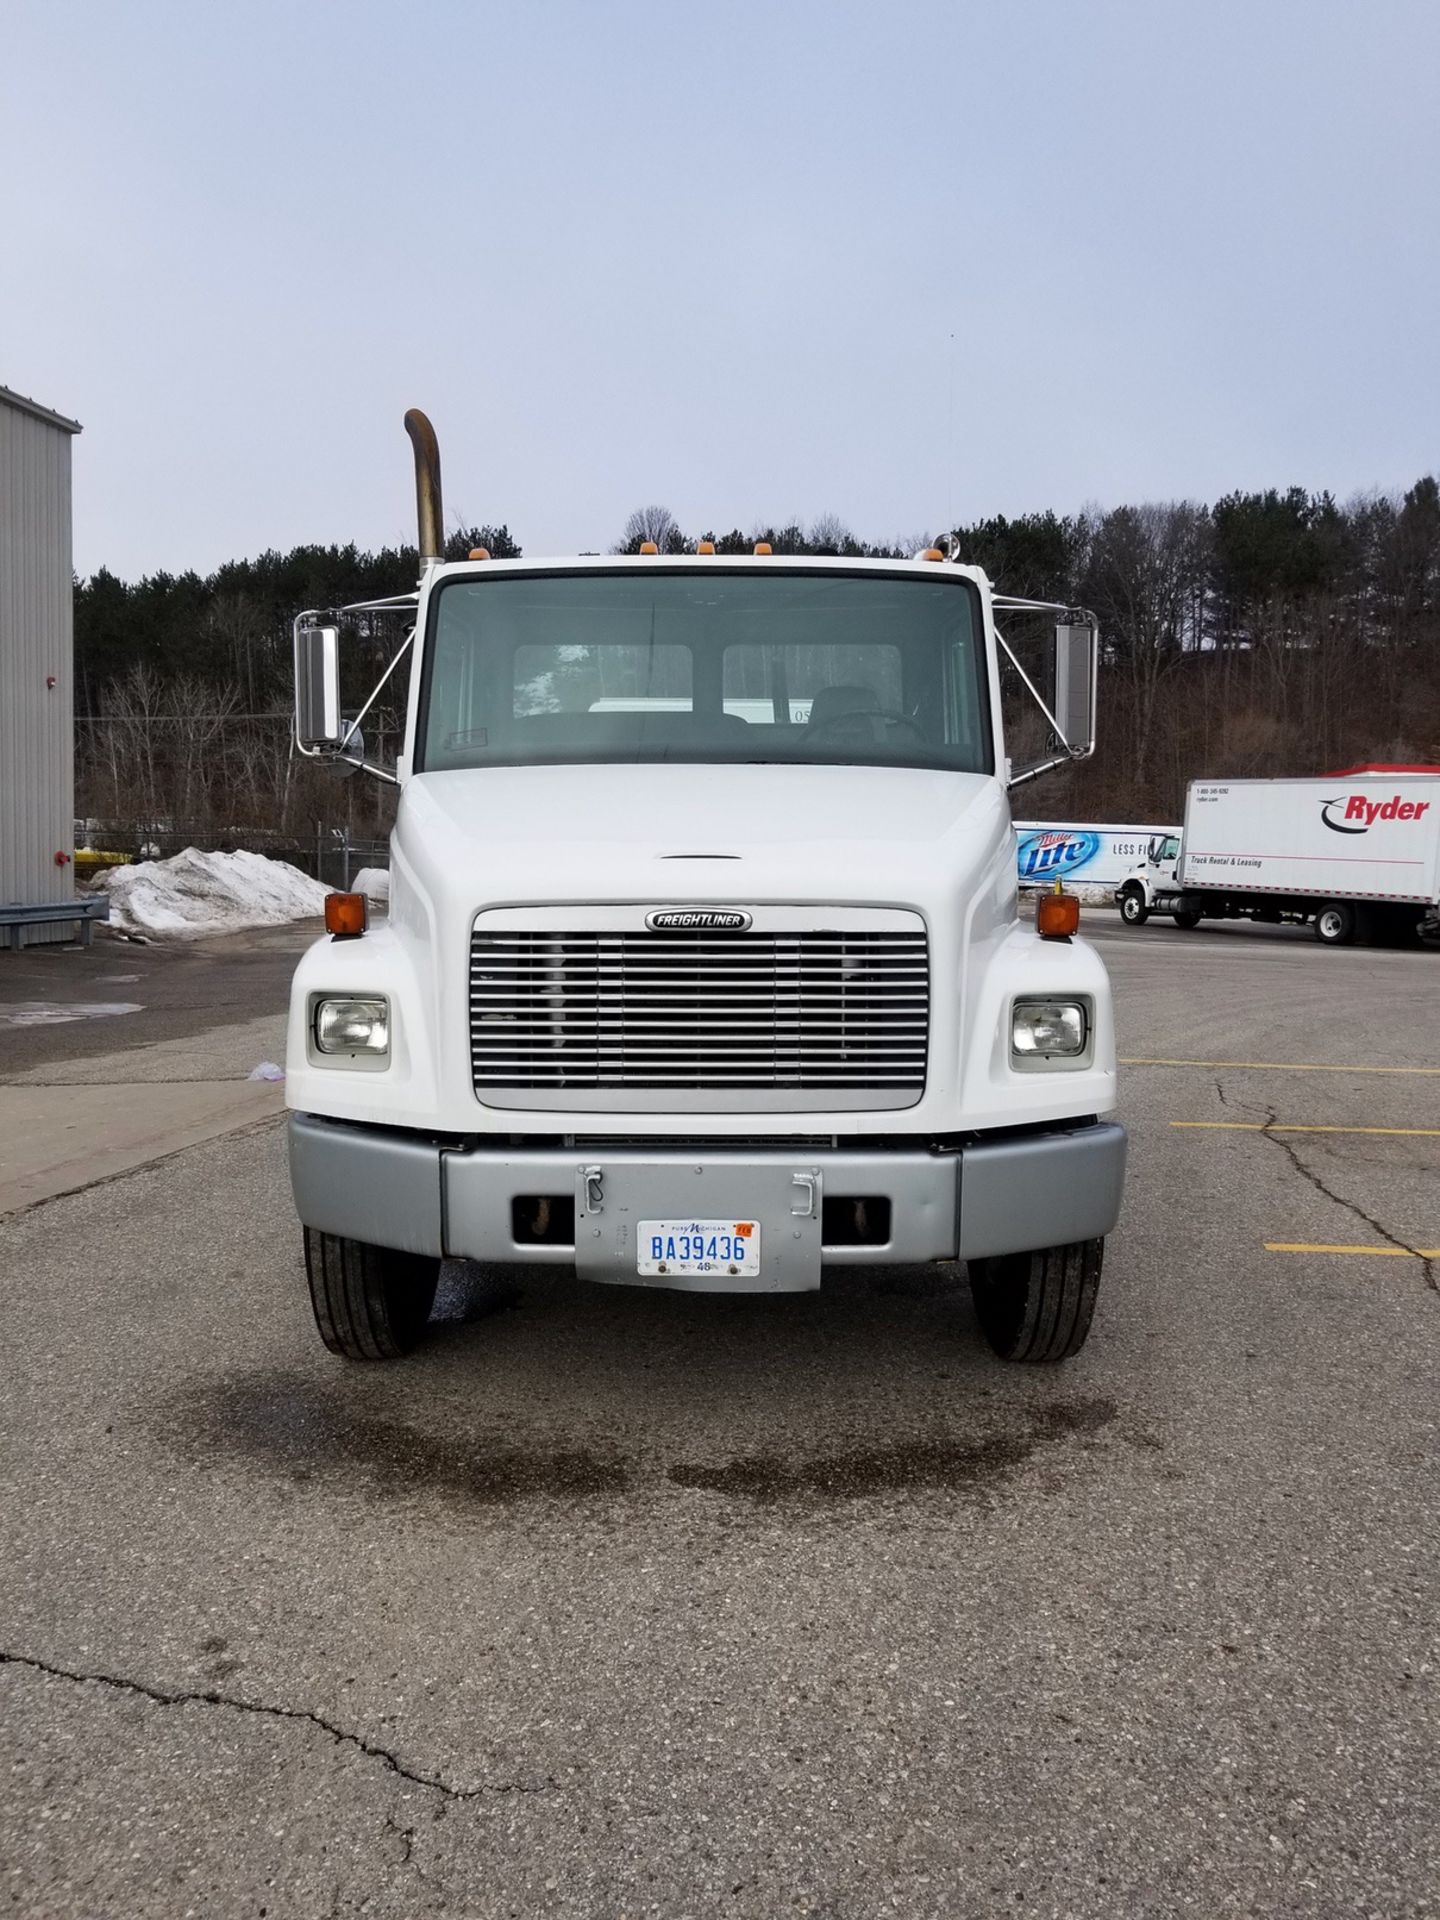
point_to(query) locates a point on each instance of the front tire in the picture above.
(1037, 1307)
(1133, 910)
(1335, 924)
(370, 1303)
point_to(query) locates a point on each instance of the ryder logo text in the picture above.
(1360, 814)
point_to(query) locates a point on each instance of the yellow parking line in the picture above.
(1273, 1066)
(1381, 1253)
(1285, 1126)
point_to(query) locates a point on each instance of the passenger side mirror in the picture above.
(1076, 660)
(319, 726)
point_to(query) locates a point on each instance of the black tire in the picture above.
(1037, 1307)
(1394, 927)
(1133, 910)
(1335, 923)
(1188, 919)
(371, 1303)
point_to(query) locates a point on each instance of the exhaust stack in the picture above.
(427, 485)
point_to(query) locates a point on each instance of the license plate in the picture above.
(728, 1247)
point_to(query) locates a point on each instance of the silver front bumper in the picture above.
(992, 1195)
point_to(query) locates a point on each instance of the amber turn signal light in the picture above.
(346, 915)
(1057, 916)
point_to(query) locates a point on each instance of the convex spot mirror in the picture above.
(349, 757)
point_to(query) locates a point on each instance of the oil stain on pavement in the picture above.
(292, 1425)
(954, 1463)
(301, 1430)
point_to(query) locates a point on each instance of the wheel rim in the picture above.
(1331, 925)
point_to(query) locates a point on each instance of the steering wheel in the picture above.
(858, 719)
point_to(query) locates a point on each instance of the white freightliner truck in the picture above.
(1355, 855)
(702, 966)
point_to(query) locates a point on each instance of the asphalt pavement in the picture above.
(622, 1603)
(62, 1001)
(116, 1055)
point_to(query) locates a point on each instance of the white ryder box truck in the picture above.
(1356, 855)
(703, 966)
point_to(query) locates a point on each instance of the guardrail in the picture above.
(83, 912)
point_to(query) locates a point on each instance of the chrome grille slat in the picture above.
(818, 1011)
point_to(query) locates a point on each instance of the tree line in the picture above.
(1275, 632)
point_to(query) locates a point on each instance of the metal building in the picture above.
(37, 720)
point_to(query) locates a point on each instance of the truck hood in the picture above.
(709, 833)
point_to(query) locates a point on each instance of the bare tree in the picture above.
(197, 721)
(1146, 579)
(129, 736)
(239, 627)
(651, 523)
(829, 534)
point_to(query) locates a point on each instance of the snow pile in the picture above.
(374, 883)
(195, 892)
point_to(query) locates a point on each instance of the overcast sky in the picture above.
(909, 263)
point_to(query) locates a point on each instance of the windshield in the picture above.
(876, 670)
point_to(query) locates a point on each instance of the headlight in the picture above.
(1049, 1029)
(352, 1026)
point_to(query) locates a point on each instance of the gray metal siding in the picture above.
(37, 745)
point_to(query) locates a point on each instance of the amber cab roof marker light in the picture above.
(1057, 914)
(762, 546)
(932, 553)
(346, 915)
(479, 553)
(704, 546)
(648, 546)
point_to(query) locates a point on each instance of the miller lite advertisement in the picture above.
(1091, 856)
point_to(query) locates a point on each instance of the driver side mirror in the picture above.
(1077, 652)
(319, 726)
(1070, 709)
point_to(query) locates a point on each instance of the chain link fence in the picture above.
(327, 852)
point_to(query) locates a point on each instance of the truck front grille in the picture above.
(691, 1010)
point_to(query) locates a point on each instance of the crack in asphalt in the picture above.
(1267, 1132)
(342, 1736)
(21, 1082)
(406, 1837)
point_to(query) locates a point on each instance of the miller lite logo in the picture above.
(1055, 851)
